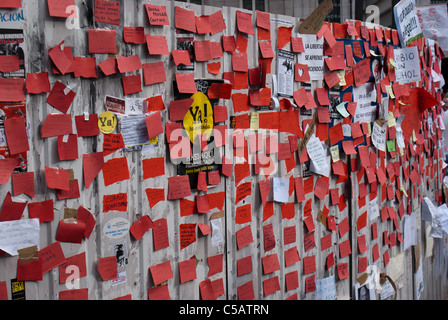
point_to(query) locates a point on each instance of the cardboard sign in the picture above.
(315, 20)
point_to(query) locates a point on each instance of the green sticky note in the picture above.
(390, 145)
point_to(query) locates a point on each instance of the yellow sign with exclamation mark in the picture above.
(107, 122)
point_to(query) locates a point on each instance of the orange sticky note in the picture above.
(153, 168)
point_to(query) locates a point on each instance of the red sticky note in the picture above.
(215, 264)
(115, 202)
(107, 12)
(263, 20)
(321, 187)
(243, 214)
(12, 90)
(9, 63)
(115, 170)
(11, 210)
(284, 36)
(291, 256)
(153, 168)
(154, 73)
(187, 232)
(161, 272)
(112, 142)
(11, 4)
(57, 178)
(246, 291)
(187, 270)
(266, 49)
(37, 83)
(309, 264)
(185, 83)
(62, 58)
(140, 226)
(154, 124)
(301, 73)
(214, 67)
(68, 147)
(72, 193)
(135, 35)
(16, 135)
(132, 84)
(159, 293)
(23, 183)
(61, 97)
(29, 271)
(228, 43)
(102, 41)
(178, 187)
(85, 216)
(60, 8)
(184, 19)
(217, 23)
(109, 66)
(107, 268)
(205, 229)
(41, 210)
(92, 164)
(181, 57)
(129, 64)
(244, 22)
(160, 234)
(244, 237)
(362, 72)
(89, 127)
(239, 62)
(70, 231)
(203, 25)
(179, 108)
(75, 294)
(155, 196)
(297, 45)
(51, 256)
(157, 15)
(85, 67)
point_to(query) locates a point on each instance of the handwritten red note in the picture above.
(11, 210)
(107, 268)
(187, 233)
(11, 4)
(157, 15)
(85, 67)
(155, 196)
(62, 59)
(51, 256)
(153, 168)
(244, 237)
(244, 22)
(184, 19)
(160, 234)
(129, 64)
(16, 135)
(362, 72)
(115, 170)
(115, 202)
(239, 62)
(178, 187)
(41, 210)
(132, 84)
(107, 12)
(102, 41)
(9, 63)
(60, 8)
(187, 270)
(135, 35)
(89, 127)
(23, 183)
(109, 66)
(12, 90)
(217, 23)
(161, 272)
(57, 178)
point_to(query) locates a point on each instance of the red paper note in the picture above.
(154, 73)
(362, 72)
(41, 210)
(75, 294)
(107, 268)
(181, 57)
(107, 11)
(244, 22)
(115, 202)
(187, 270)
(85, 67)
(244, 237)
(215, 264)
(159, 293)
(60, 8)
(11, 210)
(185, 83)
(239, 62)
(89, 127)
(157, 15)
(9, 63)
(11, 4)
(154, 124)
(140, 226)
(217, 23)
(129, 64)
(92, 165)
(178, 187)
(12, 90)
(115, 170)
(228, 43)
(179, 108)
(203, 25)
(184, 19)
(153, 168)
(85, 216)
(187, 232)
(51, 256)
(102, 41)
(109, 66)
(57, 178)
(135, 35)
(284, 36)
(23, 183)
(61, 97)
(160, 234)
(132, 84)
(16, 135)
(70, 230)
(62, 58)
(155, 196)
(37, 83)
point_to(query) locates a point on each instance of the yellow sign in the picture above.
(199, 119)
(107, 122)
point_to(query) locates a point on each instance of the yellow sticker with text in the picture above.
(107, 122)
(199, 118)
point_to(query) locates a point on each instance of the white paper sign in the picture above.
(313, 56)
(379, 136)
(318, 156)
(409, 30)
(19, 234)
(407, 65)
(433, 20)
(365, 95)
(280, 188)
(216, 232)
